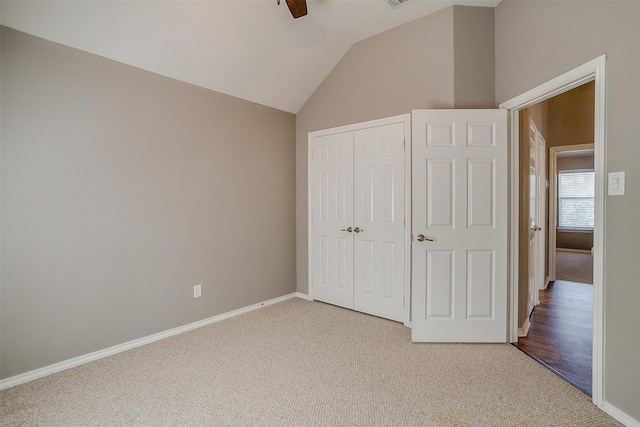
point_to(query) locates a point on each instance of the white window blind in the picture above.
(576, 201)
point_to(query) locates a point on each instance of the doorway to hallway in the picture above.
(590, 72)
(561, 332)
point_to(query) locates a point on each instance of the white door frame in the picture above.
(591, 71)
(553, 209)
(406, 120)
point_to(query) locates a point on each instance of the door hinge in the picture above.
(403, 301)
(313, 154)
(405, 143)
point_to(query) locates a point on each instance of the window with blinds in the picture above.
(576, 200)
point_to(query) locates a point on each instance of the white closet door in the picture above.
(332, 210)
(379, 199)
(459, 268)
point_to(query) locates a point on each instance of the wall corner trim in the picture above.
(100, 354)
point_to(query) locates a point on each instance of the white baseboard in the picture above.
(619, 415)
(100, 354)
(524, 330)
(303, 296)
(581, 251)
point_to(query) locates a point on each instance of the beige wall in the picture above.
(570, 116)
(121, 189)
(474, 59)
(581, 162)
(537, 41)
(409, 67)
(582, 240)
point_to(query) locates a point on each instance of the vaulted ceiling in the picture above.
(250, 49)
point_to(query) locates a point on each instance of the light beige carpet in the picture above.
(574, 266)
(303, 363)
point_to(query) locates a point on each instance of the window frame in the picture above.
(558, 198)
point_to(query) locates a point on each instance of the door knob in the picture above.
(536, 229)
(348, 230)
(422, 238)
(358, 229)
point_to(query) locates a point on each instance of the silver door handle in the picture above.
(358, 229)
(422, 238)
(348, 230)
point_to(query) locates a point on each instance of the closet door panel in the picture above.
(332, 216)
(379, 200)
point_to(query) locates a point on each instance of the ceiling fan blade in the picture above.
(298, 8)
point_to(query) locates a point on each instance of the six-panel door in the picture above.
(358, 220)
(379, 212)
(459, 251)
(332, 216)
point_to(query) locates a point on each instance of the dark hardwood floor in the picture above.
(561, 332)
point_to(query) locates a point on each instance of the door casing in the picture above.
(594, 70)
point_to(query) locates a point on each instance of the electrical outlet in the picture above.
(197, 291)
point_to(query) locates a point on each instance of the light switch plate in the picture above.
(616, 184)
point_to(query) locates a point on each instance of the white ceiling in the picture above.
(250, 49)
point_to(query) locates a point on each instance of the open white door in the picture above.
(542, 213)
(459, 248)
(537, 193)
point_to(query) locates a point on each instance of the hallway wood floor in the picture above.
(561, 332)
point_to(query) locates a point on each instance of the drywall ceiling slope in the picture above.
(250, 49)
